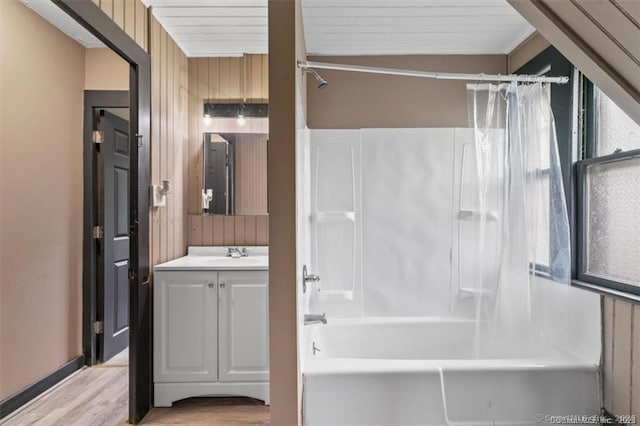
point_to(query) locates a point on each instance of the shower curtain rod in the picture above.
(436, 75)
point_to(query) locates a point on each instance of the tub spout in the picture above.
(314, 319)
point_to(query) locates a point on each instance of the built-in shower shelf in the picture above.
(334, 216)
(473, 214)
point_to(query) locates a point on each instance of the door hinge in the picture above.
(98, 327)
(97, 136)
(98, 232)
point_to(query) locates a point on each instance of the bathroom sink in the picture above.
(228, 261)
(216, 259)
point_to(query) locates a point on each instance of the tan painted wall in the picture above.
(40, 269)
(42, 79)
(526, 51)
(358, 100)
(105, 70)
(284, 368)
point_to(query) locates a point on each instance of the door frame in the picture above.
(92, 18)
(93, 99)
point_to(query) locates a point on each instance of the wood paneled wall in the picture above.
(169, 143)
(250, 168)
(599, 37)
(621, 357)
(218, 230)
(130, 15)
(242, 79)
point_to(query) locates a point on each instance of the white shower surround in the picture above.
(402, 232)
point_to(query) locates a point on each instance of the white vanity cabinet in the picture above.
(243, 325)
(186, 327)
(210, 328)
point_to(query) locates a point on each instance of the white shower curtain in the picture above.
(520, 218)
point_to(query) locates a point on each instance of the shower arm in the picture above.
(435, 75)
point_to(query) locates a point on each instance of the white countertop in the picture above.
(215, 259)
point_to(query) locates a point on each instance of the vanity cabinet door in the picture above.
(244, 325)
(185, 327)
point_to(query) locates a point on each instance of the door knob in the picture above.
(222, 285)
(211, 285)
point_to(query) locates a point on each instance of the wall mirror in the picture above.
(235, 174)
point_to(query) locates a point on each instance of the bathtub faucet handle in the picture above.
(315, 319)
(309, 278)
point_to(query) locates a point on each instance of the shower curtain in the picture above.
(520, 218)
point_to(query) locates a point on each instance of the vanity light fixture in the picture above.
(241, 120)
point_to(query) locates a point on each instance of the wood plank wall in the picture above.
(621, 357)
(250, 168)
(169, 120)
(130, 15)
(242, 79)
(169, 143)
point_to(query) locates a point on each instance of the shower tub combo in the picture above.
(428, 371)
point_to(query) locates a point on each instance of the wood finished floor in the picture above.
(98, 396)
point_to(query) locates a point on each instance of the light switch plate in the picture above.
(158, 199)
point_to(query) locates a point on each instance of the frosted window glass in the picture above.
(615, 129)
(613, 222)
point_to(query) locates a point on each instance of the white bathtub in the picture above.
(426, 372)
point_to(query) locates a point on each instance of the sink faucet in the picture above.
(236, 252)
(315, 319)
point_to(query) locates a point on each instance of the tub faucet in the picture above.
(314, 319)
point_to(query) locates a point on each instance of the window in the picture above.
(609, 197)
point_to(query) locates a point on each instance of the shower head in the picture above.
(322, 83)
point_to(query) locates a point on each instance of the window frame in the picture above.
(590, 139)
(576, 127)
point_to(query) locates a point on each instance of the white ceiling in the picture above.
(214, 27)
(60, 19)
(348, 27)
(412, 27)
(331, 27)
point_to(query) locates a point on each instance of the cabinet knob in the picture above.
(222, 285)
(211, 285)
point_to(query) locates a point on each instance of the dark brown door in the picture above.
(113, 280)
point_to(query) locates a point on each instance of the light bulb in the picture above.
(206, 119)
(241, 120)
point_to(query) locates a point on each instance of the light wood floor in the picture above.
(119, 360)
(99, 396)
